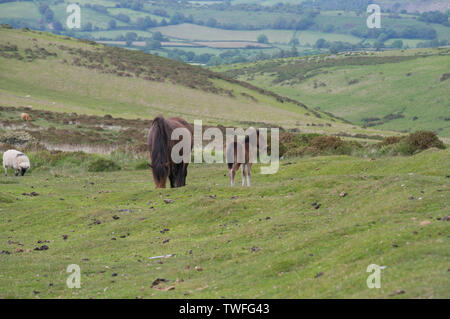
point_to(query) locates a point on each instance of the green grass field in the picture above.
(266, 241)
(133, 14)
(25, 11)
(195, 32)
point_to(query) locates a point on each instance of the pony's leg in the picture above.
(249, 173)
(172, 176)
(233, 172)
(243, 174)
(6, 171)
(230, 172)
(185, 166)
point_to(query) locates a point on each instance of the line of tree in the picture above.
(409, 32)
(339, 46)
(131, 4)
(435, 17)
(97, 7)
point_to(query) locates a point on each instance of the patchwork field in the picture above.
(298, 24)
(195, 33)
(19, 10)
(410, 5)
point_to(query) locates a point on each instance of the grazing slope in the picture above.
(266, 241)
(66, 75)
(395, 90)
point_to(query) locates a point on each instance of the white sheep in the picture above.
(17, 160)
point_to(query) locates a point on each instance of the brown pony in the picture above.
(248, 149)
(25, 117)
(160, 146)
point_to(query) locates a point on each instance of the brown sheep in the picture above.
(25, 117)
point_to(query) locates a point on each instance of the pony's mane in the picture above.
(160, 144)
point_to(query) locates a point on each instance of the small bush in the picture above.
(326, 143)
(390, 140)
(103, 165)
(142, 164)
(419, 141)
(15, 138)
(292, 144)
(411, 144)
(333, 145)
(57, 158)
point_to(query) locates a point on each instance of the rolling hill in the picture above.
(393, 90)
(410, 5)
(61, 74)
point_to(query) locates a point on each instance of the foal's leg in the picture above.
(230, 172)
(249, 173)
(233, 172)
(243, 174)
(6, 171)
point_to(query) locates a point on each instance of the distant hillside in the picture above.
(61, 74)
(410, 5)
(395, 90)
(231, 31)
(417, 5)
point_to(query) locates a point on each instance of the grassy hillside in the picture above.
(267, 241)
(54, 73)
(395, 90)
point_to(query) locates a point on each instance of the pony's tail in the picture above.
(161, 124)
(160, 148)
